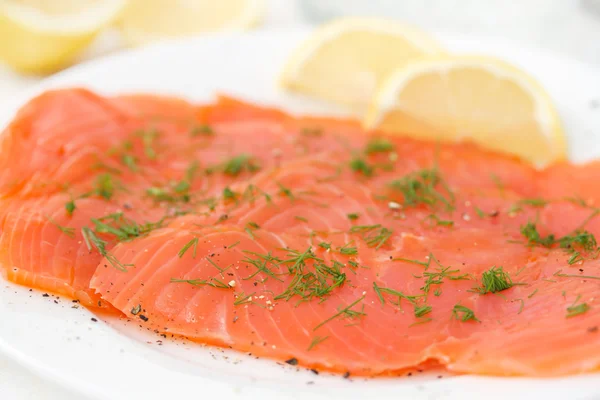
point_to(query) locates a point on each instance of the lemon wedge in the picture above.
(346, 60)
(145, 21)
(40, 36)
(479, 99)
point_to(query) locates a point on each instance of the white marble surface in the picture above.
(565, 26)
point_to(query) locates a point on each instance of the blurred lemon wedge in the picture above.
(146, 21)
(346, 60)
(39, 36)
(475, 98)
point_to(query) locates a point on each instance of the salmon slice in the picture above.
(303, 238)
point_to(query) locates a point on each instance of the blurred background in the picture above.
(41, 37)
(570, 27)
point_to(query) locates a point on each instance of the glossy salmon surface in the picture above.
(303, 238)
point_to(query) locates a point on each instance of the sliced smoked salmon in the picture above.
(303, 238)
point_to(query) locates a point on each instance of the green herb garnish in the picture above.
(463, 313)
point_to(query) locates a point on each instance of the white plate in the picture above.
(112, 359)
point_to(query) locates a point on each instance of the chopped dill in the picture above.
(239, 163)
(494, 280)
(193, 242)
(561, 275)
(325, 245)
(148, 139)
(373, 235)
(308, 283)
(70, 207)
(348, 249)
(577, 309)
(422, 310)
(346, 311)
(285, 191)
(91, 239)
(243, 298)
(380, 291)
(130, 162)
(353, 216)
(229, 194)
(463, 313)
(299, 218)
(70, 232)
(379, 145)
(424, 187)
(532, 293)
(213, 282)
(359, 165)
(533, 237)
(434, 220)
(480, 213)
(316, 341)
(202, 130)
(104, 186)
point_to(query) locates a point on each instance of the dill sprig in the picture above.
(239, 163)
(494, 280)
(373, 235)
(533, 237)
(316, 341)
(194, 243)
(105, 186)
(379, 145)
(123, 228)
(202, 130)
(213, 282)
(70, 207)
(70, 232)
(229, 194)
(422, 310)
(148, 138)
(261, 264)
(360, 166)
(434, 220)
(251, 192)
(346, 311)
(561, 275)
(348, 249)
(285, 191)
(424, 187)
(310, 281)
(243, 298)
(463, 313)
(577, 309)
(380, 291)
(92, 240)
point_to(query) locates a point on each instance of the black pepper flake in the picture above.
(314, 371)
(439, 377)
(136, 310)
(143, 318)
(45, 295)
(592, 329)
(580, 269)
(235, 319)
(75, 301)
(346, 375)
(495, 213)
(55, 301)
(292, 361)
(94, 319)
(255, 283)
(409, 374)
